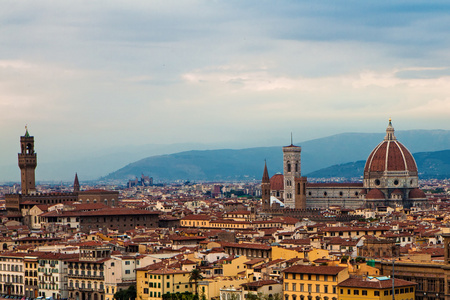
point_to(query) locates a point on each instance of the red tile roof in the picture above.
(390, 156)
(375, 283)
(375, 194)
(325, 270)
(277, 182)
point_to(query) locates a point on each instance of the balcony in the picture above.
(86, 289)
(85, 276)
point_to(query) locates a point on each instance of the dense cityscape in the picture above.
(281, 238)
(224, 150)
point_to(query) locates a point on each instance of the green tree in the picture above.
(196, 276)
(128, 294)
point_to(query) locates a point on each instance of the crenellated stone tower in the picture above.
(27, 163)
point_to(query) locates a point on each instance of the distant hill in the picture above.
(430, 165)
(227, 164)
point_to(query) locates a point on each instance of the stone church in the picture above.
(390, 179)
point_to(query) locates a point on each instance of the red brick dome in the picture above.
(417, 194)
(397, 192)
(277, 182)
(375, 194)
(390, 155)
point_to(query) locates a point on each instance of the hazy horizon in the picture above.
(89, 77)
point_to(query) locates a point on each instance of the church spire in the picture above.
(76, 184)
(265, 178)
(390, 132)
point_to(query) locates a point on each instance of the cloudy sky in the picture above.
(95, 75)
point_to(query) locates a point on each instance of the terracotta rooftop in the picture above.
(277, 182)
(375, 283)
(325, 270)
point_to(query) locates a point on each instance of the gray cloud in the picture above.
(88, 76)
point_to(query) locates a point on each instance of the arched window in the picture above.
(288, 166)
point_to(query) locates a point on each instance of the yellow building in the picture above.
(302, 282)
(210, 288)
(152, 284)
(31, 276)
(376, 288)
(232, 267)
(283, 253)
(197, 221)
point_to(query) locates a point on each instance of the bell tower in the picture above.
(291, 171)
(27, 163)
(265, 189)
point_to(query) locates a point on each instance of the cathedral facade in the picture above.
(390, 179)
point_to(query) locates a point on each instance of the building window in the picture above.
(364, 292)
(127, 271)
(376, 293)
(355, 292)
(317, 288)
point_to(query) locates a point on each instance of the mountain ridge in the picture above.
(248, 163)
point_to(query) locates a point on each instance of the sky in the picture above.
(93, 76)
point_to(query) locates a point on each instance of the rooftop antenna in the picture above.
(291, 139)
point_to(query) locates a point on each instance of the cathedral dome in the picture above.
(375, 194)
(397, 192)
(277, 182)
(390, 155)
(417, 194)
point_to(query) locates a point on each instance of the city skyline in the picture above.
(87, 77)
